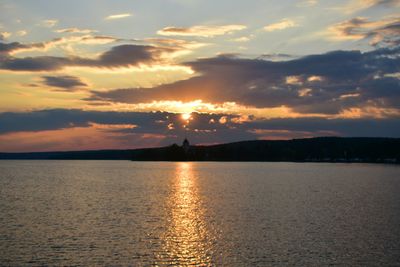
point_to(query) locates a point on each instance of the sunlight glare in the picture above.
(186, 116)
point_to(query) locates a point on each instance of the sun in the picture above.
(186, 116)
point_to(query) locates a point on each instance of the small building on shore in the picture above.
(186, 145)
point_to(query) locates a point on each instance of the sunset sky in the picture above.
(102, 74)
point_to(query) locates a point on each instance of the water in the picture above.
(203, 214)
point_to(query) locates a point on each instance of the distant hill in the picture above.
(321, 149)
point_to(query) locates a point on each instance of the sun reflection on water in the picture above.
(186, 239)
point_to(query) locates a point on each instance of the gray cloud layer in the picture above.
(65, 82)
(204, 128)
(326, 83)
(118, 56)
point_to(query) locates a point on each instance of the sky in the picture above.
(116, 74)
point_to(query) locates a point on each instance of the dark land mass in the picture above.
(321, 149)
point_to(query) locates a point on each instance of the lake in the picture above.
(199, 213)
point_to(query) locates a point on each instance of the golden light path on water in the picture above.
(186, 240)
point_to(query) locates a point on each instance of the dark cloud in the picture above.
(118, 56)
(126, 55)
(342, 127)
(64, 82)
(204, 128)
(6, 48)
(61, 118)
(333, 81)
(42, 63)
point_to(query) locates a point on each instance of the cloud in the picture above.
(92, 40)
(63, 129)
(43, 63)
(177, 44)
(281, 25)
(241, 39)
(276, 57)
(65, 82)
(164, 123)
(94, 136)
(21, 33)
(8, 48)
(118, 16)
(161, 49)
(16, 47)
(201, 31)
(49, 23)
(57, 119)
(307, 85)
(358, 5)
(307, 3)
(126, 55)
(382, 32)
(340, 127)
(75, 30)
(4, 35)
(117, 56)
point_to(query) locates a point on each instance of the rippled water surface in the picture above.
(203, 214)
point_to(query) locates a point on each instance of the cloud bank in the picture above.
(81, 129)
(330, 84)
(384, 32)
(117, 56)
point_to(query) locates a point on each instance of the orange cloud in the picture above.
(367, 112)
(281, 25)
(96, 136)
(294, 80)
(4, 35)
(201, 31)
(198, 106)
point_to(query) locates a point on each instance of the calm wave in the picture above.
(164, 213)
